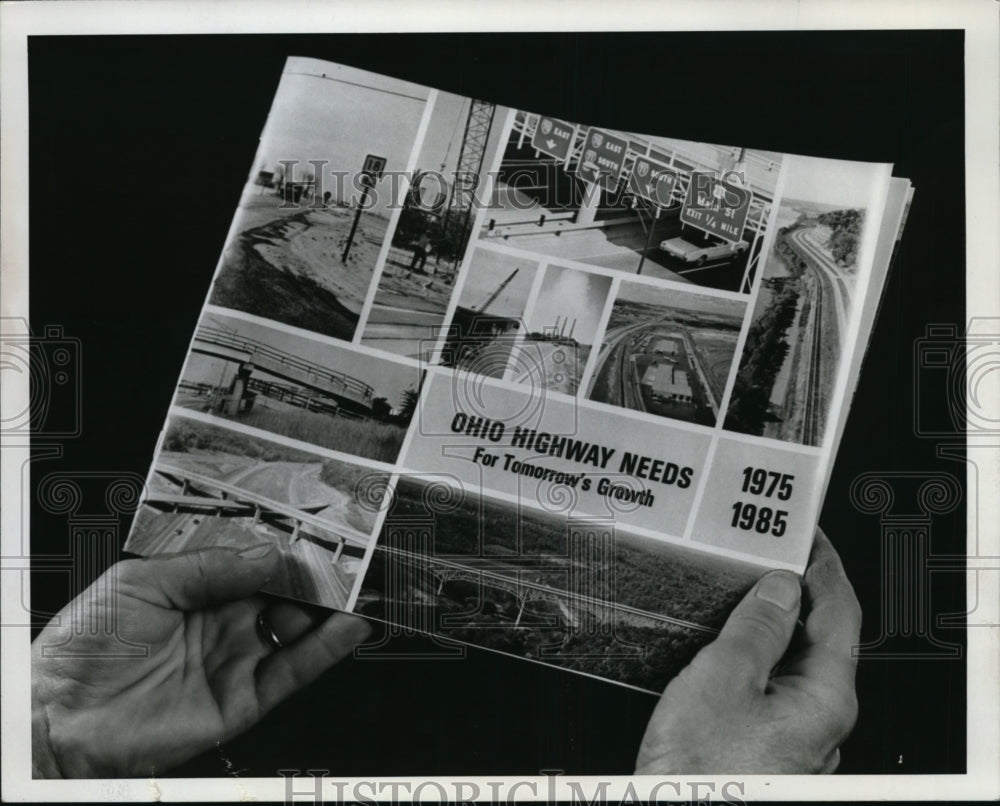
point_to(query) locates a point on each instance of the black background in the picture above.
(139, 148)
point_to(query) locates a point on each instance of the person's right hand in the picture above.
(730, 711)
(207, 675)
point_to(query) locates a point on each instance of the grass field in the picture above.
(368, 438)
(647, 574)
(184, 436)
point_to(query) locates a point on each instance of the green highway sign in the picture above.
(652, 181)
(553, 137)
(718, 208)
(602, 158)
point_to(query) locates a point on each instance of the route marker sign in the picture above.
(602, 158)
(374, 166)
(716, 208)
(371, 170)
(652, 181)
(553, 137)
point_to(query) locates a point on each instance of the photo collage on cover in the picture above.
(449, 344)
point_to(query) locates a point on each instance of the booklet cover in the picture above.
(535, 385)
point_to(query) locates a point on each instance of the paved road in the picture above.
(616, 368)
(614, 247)
(306, 571)
(614, 376)
(831, 274)
(823, 335)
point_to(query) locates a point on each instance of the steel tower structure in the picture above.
(458, 217)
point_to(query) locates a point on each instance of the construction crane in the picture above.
(492, 297)
(458, 216)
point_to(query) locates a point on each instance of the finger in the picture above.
(758, 631)
(193, 580)
(832, 624)
(295, 666)
(289, 621)
(832, 762)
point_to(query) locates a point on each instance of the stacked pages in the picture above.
(544, 387)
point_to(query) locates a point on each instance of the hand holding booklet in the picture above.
(535, 385)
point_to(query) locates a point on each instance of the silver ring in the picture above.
(267, 634)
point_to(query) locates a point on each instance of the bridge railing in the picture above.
(255, 348)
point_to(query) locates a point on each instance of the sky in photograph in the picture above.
(761, 166)
(487, 272)
(681, 300)
(325, 111)
(570, 293)
(387, 378)
(442, 141)
(835, 182)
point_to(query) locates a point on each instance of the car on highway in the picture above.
(700, 254)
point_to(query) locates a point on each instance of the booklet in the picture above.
(540, 386)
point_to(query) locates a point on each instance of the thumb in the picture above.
(760, 628)
(192, 580)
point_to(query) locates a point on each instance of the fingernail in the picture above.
(780, 588)
(257, 552)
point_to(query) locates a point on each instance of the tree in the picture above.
(409, 404)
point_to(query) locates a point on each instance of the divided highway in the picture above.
(821, 340)
(308, 570)
(617, 377)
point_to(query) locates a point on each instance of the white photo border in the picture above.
(979, 20)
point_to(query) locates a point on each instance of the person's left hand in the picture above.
(207, 675)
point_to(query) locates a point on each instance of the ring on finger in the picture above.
(267, 634)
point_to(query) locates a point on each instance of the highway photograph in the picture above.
(310, 225)
(211, 486)
(560, 330)
(433, 229)
(667, 352)
(545, 201)
(489, 315)
(326, 395)
(576, 593)
(793, 348)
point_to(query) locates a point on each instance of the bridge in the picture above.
(496, 574)
(578, 231)
(199, 492)
(762, 172)
(253, 355)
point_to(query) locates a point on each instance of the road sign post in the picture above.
(371, 172)
(649, 237)
(654, 182)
